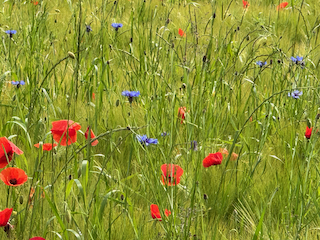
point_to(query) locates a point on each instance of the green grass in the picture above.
(104, 192)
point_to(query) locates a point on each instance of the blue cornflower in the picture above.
(194, 145)
(130, 94)
(11, 32)
(297, 60)
(88, 28)
(116, 26)
(144, 140)
(261, 64)
(295, 94)
(164, 134)
(18, 83)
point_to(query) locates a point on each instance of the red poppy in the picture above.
(94, 143)
(171, 174)
(7, 149)
(181, 113)
(282, 5)
(5, 216)
(93, 96)
(35, 3)
(37, 238)
(182, 33)
(155, 212)
(308, 133)
(212, 159)
(46, 146)
(245, 4)
(13, 176)
(59, 131)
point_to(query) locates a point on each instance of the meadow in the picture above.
(220, 131)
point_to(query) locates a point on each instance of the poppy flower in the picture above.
(308, 133)
(5, 216)
(245, 4)
(7, 149)
(35, 3)
(282, 5)
(224, 151)
(46, 146)
(212, 159)
(171, 174)
(13, 176)
(182, 33)
(93, 96)
(155, 212)
(181, 113)
(37, 238)
(92, 136)
(59, 131)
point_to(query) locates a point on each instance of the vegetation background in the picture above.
(104, 192)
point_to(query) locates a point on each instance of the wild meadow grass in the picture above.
(270, 191)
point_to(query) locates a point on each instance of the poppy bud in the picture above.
(318, 116)
(271, 61)
(236, 73)
(108, 62)
(238, 28)
(70, 177)
(172, 45)
(214, 15)
(21, 199)
(122, 197)
(184, 86)
(71, 55)
(248, 38)
(128, 128)
(117, 103)
(205, 196)
(131, 39)
(57, 10)
(168, 21)
(279, 61)
(115, 2)
(55, 21)
(204, 59)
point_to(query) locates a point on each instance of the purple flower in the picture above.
(18, 83)
(11, 32)
(88, 28)
(144, 140)
(261, 64)
(295, 94)
(164, 134)
(297, 60)
(116, 26)
(130, 94)
(194, 145)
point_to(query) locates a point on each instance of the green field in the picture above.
(230, 79)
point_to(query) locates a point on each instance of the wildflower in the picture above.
(11, 32)
(35, 3)
(5, 216)
(130, 95)
(225, 152)
(297, 59)
(144, 140)
(164, 134)
(93, 96)
(88, 28)
(282, 5)
(37, 238)
(212, 159)
(13, 176)
(194, 145)
(181, 113)
(182, 33)
(7, 149)
(155, 212)
(46, 146)
(59, 131)
(308, 133)
(116, 26)
(295, 94)
(18, 83)
(245, 4)
(261, 64)
(92, 136)
(171, 174)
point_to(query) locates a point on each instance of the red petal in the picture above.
(13, 173)
(212, 159)
(37, 238)
(94, 143)
(5, 216)
(155, 213)
(5, 148)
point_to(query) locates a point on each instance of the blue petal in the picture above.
(22, 82)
